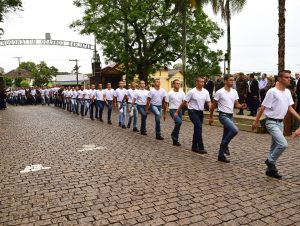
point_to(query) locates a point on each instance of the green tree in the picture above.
(17, 81)
(42, 74)
(142, 34)
(6, 6)
(226, 8)
(8, 81)
(24, 83)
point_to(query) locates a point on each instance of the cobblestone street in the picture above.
(130, 179)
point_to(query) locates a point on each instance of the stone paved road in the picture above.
(135, 180)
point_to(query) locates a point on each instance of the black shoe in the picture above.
(128, 126)
(135, 130)
(109, 122)
(274, 174)
(120, 124)
(92, 118)
(271, 166)
(202, 152)
(159, 137)
(251, 115)
(226, 151)
(101, 120)
(176, 143)
(240, 113)
(144, 133)
(223, 159)
(123, 127)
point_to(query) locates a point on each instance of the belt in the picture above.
(221, 112)
(275, 120)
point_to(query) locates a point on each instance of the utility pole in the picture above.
(19, 60)
(76, 67)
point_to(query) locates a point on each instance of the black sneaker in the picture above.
(270, 166)
(101, 120)
(128, 126)
(274, 174)
(135, 130)
(159, 137)
(109, 122)
(223, 159)
(202, 152)
(176, 143)
(144, 133)
(123, 127)
(120, 124)
(226, 151)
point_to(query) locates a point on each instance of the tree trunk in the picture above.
(184, 12)
(228, 17)
(143, 73)
(281, 35)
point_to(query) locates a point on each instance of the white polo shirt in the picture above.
(109, 94)
(175, 99)
(99, 94)
(141, 97)
(157, 96)
(226, 100)
(120, 93)
(130, 94)
(197, 98)
(277, 103)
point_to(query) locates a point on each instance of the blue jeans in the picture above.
(133, 115)
(197, 119)
(74, 106)
(81, 107)
(142, 110)
(100, 107)
(156, 110)
(178, 122)
(86, 105)
(109, 109)
(279, 143)
(229, 132)
(122, 113)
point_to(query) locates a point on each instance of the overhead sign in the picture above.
(10, 42)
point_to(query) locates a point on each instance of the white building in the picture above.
(70, 79)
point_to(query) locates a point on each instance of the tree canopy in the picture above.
(146, 34)
(6, 6)
(42, 74)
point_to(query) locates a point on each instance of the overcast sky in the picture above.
(254, 36)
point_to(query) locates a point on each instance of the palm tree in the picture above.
(281, 35)
(227, 8)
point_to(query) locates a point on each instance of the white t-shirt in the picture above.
(80, 94)
(93, 93)
(120, 93)
(277, 103)
(109, 94)
(74, 94)
(99, 94)
(131, 94)
(22, 92)
(87, 94)
(157, 96)
(141, 97)
(196, 99)
(175, 99)
(33, 92)
(226, 100)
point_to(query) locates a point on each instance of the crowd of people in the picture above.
(224, 94)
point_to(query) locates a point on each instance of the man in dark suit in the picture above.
(253, 95)
(209, 86)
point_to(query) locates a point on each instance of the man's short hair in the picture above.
(252, 76)
(198, 78)
(282, 72)
(226, 77)
(176, 80)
